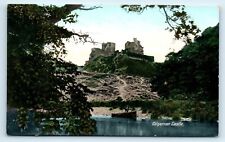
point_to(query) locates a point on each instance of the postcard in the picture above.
(112, 70)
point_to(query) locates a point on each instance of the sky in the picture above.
(113, 24)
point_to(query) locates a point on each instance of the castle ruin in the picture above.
(134, 47)
(107, 50)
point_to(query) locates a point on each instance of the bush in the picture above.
(200, 111)
(176, 116)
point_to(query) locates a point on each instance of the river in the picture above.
(162, 128)
(107, 126)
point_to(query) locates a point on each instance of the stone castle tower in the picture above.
(107, 50)
(134, 47)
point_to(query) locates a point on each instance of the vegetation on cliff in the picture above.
(122, 63)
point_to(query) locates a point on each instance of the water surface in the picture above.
(107, 126)
(129, 127)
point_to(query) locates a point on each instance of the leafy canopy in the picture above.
(38, 80)
(176, 17)
(193, 71)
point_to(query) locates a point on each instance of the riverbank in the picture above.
(206, 111)
(106, 111)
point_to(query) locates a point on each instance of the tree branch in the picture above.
(90, 8)
(84, 37)
(68, 8)
(71, 7)
(167, 18)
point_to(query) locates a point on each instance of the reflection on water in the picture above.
(107, 126)
(127, 127)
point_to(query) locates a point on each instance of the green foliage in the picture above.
(138, 56)
(176, 117)
(119, 99)
(122, 63)
(37, 79)
(176, 17)
(101, 64)
(191, 73)
(197, 110)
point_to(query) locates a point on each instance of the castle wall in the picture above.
(109, 48)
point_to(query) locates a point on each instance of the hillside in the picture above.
(109, 87)
(125, 63)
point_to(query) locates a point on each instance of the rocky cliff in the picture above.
(110, 86)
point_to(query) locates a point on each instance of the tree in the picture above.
(175, 16)
(38, 79)
(193, 71)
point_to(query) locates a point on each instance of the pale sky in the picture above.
(113, 24)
